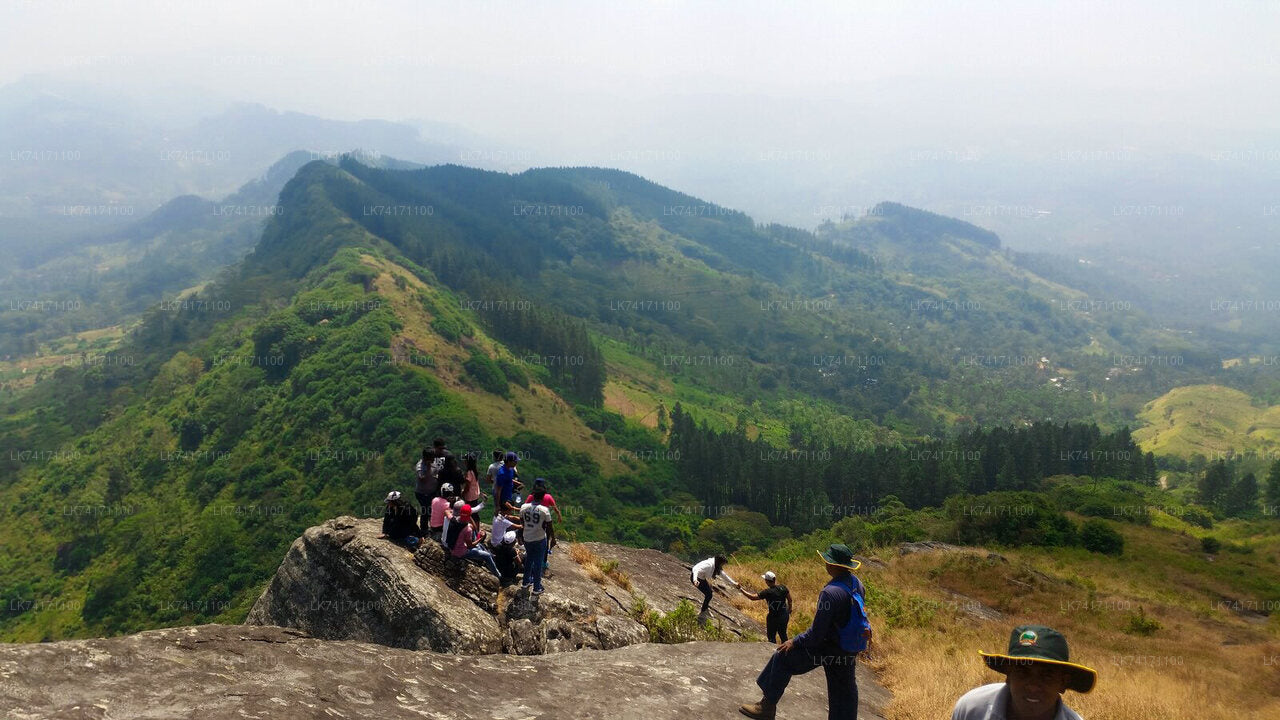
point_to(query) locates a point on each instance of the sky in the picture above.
(488, 65)
(737, 101)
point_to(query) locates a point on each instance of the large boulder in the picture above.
(339, 581)
(235, 671)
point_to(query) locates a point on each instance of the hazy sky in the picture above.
(494, 65)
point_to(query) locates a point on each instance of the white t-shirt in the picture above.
(705, 569)
(532, 516)
(500, 526)
(989, 702)
(492, 473)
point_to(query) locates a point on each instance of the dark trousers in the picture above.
(776, 627)
(705, 587)
(534, 561)
(842, 682)
(425, 501)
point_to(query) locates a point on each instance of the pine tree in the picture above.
(1241, 499)
(1214, 484)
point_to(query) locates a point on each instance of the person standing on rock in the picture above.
(703, 574)
(468, 546)
(400, 520)
(778, 599)
(839, 632)
(535, 518)
(471, 481)
(505, 483)
(540, 496)
(1037, 670)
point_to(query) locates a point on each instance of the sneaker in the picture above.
(537, 591)
(760, 711)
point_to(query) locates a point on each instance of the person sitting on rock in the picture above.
(1037, 670)
(778, 599)
(468, 546)
(506, 558)
(501, 524)
(441, 510)
(400, 520)
(703, 573)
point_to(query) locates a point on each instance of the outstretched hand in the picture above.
(786, 646)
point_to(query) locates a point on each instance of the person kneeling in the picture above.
(467, 545)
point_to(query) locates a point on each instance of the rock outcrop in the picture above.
(213, 672)
(339, 581)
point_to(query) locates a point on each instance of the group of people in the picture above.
(519, 541)
(1037, 664)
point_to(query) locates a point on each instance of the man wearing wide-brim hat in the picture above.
(1037, 669)
(839, 631)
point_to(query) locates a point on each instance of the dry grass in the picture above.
(1202, 661)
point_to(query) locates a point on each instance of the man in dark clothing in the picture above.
(778, 599)
(400, 520)
(821, 645)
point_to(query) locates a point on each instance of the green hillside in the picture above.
(1211, 421)
(648, 352)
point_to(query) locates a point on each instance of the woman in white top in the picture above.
(706, 571)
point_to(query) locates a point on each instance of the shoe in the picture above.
(761, 710)
(537, 591)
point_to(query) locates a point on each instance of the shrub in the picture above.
(1210, 545)
(1097, 536)
(681, 625)
(1140, 624)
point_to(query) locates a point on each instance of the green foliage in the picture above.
(1139, 624)
(1097, 536)
(486, 373)
(1210, 545)
(1009, 518)
(736, 530)
(681, 625)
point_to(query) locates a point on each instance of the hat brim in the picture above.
(1082, 679)
(827, 559)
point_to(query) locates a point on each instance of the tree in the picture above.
(1242, 497)
(1097, 536)
(1214, 484)
(1273, 486)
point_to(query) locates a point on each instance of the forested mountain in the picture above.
(627, 340)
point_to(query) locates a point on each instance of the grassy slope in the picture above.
(1209, 420)
(1205, 655)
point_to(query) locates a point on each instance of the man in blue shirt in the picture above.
(820, 645)
(505, 483)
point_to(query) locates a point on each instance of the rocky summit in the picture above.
(354, 626)
(340, 581)
(237, 671)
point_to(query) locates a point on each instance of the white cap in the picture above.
(446, 489)
(509, 537)
(393, 495)
(769, 576)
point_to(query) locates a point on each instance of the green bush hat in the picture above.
(1039, 644)
(841, 555)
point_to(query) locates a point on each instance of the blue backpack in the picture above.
(853, 634)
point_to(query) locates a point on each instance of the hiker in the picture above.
(491, 475)
(540, 496)
(506, 481)
(441, 510)
(535, 518)
(1037, 669)
(427, 487)
(506, 558)
(467, 545)
(502, 524)
(471, 482)
(400, 520)
(703, 573)
(839, 632)
(778, 599)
